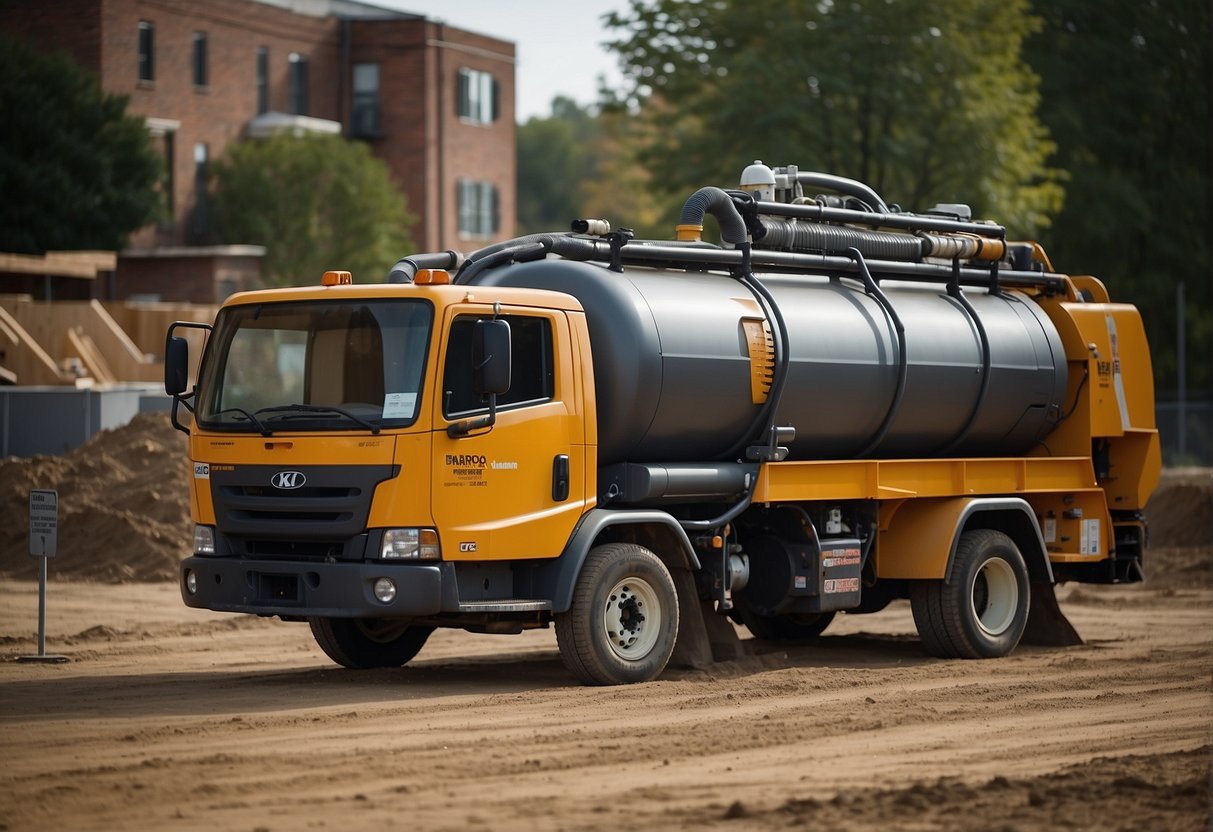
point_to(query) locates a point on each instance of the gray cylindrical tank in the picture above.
(672, 368)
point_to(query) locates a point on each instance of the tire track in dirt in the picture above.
(507, 741)
(177, 717)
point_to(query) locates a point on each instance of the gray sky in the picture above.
(558, 43)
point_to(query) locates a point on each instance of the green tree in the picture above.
(1127, 88)
(623, 190)
(556, 157)
(76, 171)
(316, 203)
(924, 101)
(581, 162)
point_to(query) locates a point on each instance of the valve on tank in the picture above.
(759, 180)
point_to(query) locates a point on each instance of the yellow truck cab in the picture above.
(639, 441)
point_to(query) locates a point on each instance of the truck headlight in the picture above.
(410, 544)
(204, 540)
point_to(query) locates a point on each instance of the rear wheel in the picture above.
(363, 643)
(623, 621)
(981, 612)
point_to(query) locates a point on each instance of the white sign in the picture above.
(43, 523)
(399, 405)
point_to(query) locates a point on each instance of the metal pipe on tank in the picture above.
(843, 185)
(673, 371)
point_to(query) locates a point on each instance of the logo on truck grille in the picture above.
(288, 479)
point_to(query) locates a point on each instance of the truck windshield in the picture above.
(316, 365)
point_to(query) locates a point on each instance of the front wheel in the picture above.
(623, 621)
(982, 611)
(363, 643)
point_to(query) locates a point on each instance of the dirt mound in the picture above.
(124, 511)
(1181, 510)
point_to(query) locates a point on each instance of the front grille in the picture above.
(305, 493)
(330, 509)
(318, 550)
(292, 515)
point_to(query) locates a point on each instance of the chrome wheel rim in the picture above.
(631, 618)
(994, 596)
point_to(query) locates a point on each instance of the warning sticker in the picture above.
(842, 557)
(835, 585)
(1089, 537)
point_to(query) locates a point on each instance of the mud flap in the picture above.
(704, 636)
(1047, 625)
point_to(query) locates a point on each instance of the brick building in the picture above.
(434, 102)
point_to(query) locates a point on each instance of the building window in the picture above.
(200, 75)
(170, 190)
(263, 80)
(147, 48)
(479, 96)
(364, 104)
(200, 219)
(479, 207)
(298, 84)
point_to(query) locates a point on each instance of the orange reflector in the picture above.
(336, 279)
(432, 277)
(429, 548)
(717, 542)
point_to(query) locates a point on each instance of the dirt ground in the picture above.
(172, 718)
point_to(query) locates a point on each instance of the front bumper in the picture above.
(327, 590)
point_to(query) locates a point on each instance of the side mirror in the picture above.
(176, 365)
(491, 357)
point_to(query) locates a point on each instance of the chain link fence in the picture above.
(1186, 432)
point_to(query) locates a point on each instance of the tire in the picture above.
(795, 627)
(623, 621)
(363, 643)
(982, 611)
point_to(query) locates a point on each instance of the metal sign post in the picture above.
(43, 544)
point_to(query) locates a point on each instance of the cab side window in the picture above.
(533, 378)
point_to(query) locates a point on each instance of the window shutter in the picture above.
(496, 111)
(495, 196)
(462, 100)
(462, 204)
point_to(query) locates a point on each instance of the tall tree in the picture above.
(924, 101)
(76, 171)
(1127, 94)
(623, 191)
(580, 162)
(316, 203)
(556, 157)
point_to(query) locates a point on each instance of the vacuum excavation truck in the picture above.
(643, 443)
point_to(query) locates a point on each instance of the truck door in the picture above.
(514, 490)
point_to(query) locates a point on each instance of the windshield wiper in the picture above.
(286, 410)
(261, 428)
